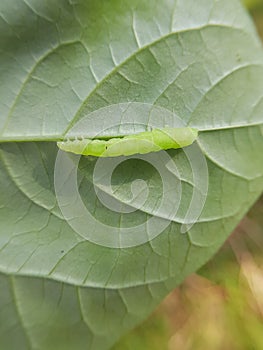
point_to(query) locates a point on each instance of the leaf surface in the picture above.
(60, 63)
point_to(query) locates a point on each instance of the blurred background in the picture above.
(221, 306)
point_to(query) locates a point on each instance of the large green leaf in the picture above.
(43, 314)
(60, 61)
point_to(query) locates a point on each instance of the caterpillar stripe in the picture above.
(141, 143)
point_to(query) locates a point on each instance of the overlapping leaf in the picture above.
(62, 60)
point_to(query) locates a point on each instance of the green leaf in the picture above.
(60, 63)
(252, 4)
(61, 60)
(44, 314)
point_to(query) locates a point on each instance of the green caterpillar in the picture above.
(144, 142)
